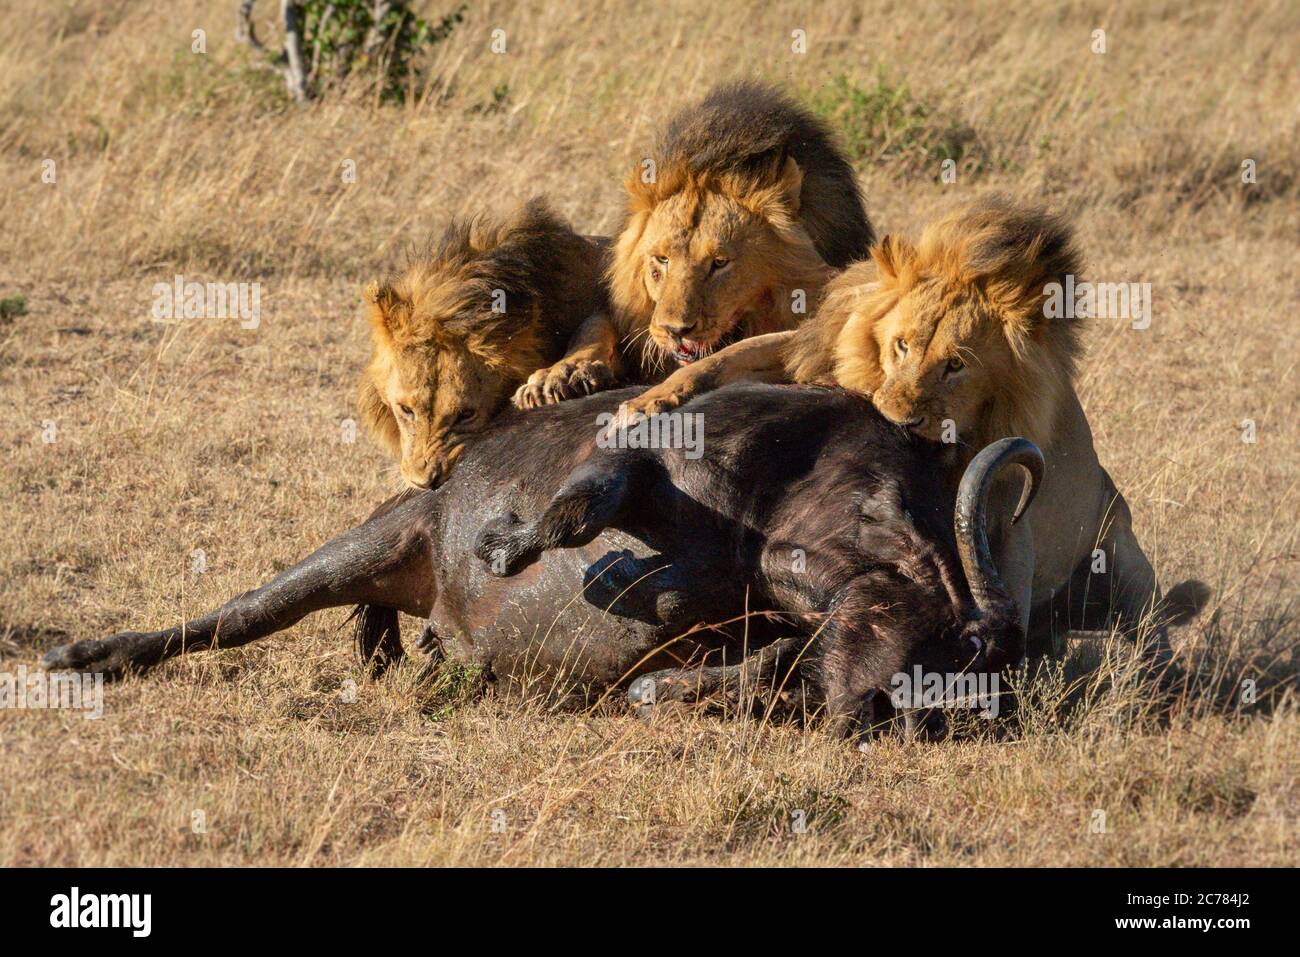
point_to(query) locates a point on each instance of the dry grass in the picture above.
(172, 438)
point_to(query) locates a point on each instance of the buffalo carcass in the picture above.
(805, 530)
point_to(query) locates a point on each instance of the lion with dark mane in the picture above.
(466, 321)
(735, 224)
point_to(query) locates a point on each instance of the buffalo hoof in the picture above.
(428, 642)
(504, 546)
(642, 692)
(112, 657)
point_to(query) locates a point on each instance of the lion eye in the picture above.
(405, 409)
(661, 260)
(464, 416)
(955, 364)
(720, 263)
(901, 346)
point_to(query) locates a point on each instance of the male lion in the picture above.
(733, 227)
(951, 340)
(464, 323)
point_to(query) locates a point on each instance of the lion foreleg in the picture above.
(757, 359)
(592, 363)
(1013, 555)
(1136, 606)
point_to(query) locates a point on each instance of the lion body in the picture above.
(951, 340)
(748, 174)
(464, 324)
(736, 222)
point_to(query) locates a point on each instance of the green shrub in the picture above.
(884, 121)
(337, 41)
(11, 307)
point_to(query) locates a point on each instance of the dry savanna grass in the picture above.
(202, 435)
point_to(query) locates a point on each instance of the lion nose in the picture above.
(680, 329)
(426, 475)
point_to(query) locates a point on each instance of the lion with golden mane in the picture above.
(464, 323)
(735, 224)
(951, 339)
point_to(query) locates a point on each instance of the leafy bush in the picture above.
(328, 41)
(885, 121)
(11, 307)
(342, 37)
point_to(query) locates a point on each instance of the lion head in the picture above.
(465, 323)
(951, 339)
(733, 228)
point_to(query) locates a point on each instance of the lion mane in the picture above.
(509, 291)
(747, 142)
(992, 253)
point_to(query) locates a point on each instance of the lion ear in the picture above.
(892, 256)
(790, 184)
(379, 294)
(641, 195)
(381, 298)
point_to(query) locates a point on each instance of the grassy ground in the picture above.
(167, 439)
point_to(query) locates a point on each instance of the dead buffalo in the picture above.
(809, 531)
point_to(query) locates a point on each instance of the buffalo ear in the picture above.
(892, 256)
(377, 416)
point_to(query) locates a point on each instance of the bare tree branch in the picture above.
(244, 31)
(295, 70)
(375, 36)
(290, 62)
(313, 74)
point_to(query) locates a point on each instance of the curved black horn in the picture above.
(972, 513)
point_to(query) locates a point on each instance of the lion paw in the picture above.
(564, 380)
(642, 407)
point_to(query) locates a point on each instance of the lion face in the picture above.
(940, 354)
(705, 260)
(424, 397)
(705, 268)
(952, 339)
(437, 399)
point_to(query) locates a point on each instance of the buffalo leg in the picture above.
(384, 562)
(583, 507)
(739, 681)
